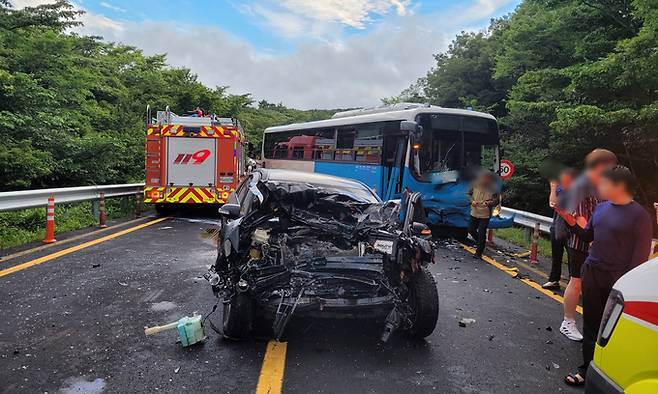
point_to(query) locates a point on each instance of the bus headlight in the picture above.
(613, 309)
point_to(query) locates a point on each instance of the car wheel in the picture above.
(424, 303)
(238, 317)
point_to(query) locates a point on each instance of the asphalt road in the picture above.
(74, 324)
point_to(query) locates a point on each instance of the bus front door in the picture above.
(393, 163)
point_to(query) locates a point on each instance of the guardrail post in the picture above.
(535, 244)
(138, 204)
(50, 221)
(101, 211)
(527, 235)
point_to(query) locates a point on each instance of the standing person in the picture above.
(483, 196)
(620, 231)
(559, 231)
(581, 200)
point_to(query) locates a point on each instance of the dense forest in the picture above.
(563, 77)
(72, 108)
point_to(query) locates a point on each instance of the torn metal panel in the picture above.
(302, 247)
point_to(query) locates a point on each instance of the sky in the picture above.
(302, 53)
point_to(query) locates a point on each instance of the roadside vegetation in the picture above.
(28, 225)
(563, 77)
(73, 108)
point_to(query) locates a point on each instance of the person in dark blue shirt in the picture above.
(620, 232)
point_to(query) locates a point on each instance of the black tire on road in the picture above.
(238, 317)
(424, 302)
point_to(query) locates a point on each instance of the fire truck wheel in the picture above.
(162, 209)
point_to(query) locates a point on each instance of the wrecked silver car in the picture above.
(301, 243)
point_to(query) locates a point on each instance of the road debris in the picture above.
(190, 330)
(466, 321)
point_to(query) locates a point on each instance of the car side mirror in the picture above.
(230, 211)
(420, 229)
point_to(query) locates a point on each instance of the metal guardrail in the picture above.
(528, 219)
(12, 201)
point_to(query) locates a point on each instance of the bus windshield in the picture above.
(454, 142)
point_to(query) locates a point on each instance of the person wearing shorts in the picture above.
(582, 199)
(559, 231)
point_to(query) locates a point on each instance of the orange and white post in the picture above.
(50, 221)
(102, 215)
(535, 245)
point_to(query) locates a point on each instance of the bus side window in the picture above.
(368, 143)
(345, 144)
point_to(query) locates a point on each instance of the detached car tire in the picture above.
(424, 302)
(238, 317)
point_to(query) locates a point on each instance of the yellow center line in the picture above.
(270, 380)
(513, 272)
(75, 248)
(8, 257)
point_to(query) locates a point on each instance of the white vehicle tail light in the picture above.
(613, 309)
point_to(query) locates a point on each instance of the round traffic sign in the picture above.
(506, 169)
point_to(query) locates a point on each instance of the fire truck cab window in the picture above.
(298, 153)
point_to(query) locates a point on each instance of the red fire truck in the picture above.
(192, 159)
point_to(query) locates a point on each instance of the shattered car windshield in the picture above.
(358, 195)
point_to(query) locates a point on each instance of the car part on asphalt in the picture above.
(190, 330)
(321, 249)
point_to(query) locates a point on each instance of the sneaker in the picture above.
(551, 285)
(570, 330)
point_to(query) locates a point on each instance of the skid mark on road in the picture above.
(41, 260)
(270, 380)
(513, 272)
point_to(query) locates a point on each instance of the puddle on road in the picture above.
(163, 306)
(83, 386)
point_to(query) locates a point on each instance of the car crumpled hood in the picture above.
(336, 212)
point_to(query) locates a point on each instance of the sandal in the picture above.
(575, 379)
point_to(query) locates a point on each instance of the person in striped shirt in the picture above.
(581, 200)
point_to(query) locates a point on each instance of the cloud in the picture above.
(353, 13)
(482, 9)
(94, 24)
(322, 20)
(360, 72)
(331, 70)
(111, 7)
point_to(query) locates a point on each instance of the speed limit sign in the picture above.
(506, 169)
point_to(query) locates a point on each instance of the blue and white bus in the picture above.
(421, 148)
